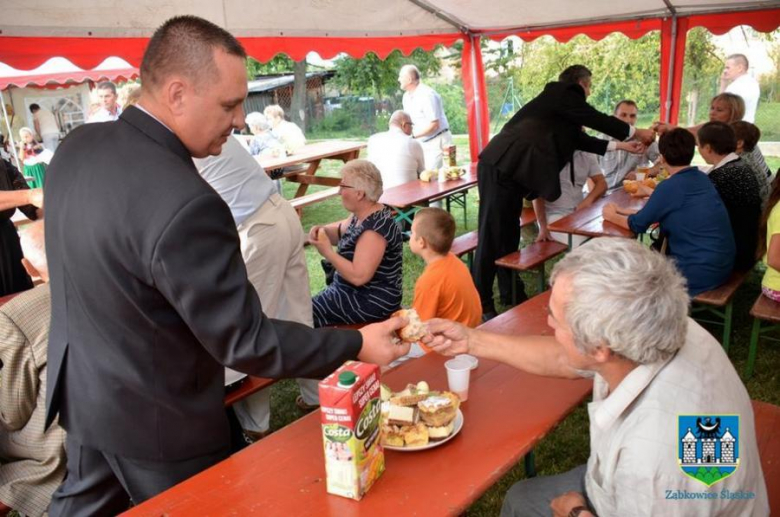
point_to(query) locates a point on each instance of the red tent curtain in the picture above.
(670, 100)
(475, 91)
(765, 20)
(632, 28)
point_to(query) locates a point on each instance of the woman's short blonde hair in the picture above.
(363, 175)
(274, 110)
(735, 103)
(24, 130)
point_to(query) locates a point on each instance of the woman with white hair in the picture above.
(368, 262)
(263, 142)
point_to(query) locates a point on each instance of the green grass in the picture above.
(568, 444)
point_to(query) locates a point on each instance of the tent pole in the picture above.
(670, 78)
(478, 100)
(10, 131)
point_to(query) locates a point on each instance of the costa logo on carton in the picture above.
(351, 410)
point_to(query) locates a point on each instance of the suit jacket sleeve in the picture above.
(591, 144)
(575, 108)
(197, 266)
(19, 379)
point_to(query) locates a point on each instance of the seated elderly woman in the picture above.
(368, 262)
(691, 215)
(263, 142)
(287, 132)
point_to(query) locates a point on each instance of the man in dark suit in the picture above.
(524, 161)
(150, 296)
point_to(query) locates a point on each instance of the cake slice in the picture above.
(439, 410)
(393, 436)
(441, 432)
(402, 415)
(416, 436)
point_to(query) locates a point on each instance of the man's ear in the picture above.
(175, 93)
(30, 268)
(601, 354)
(740, 144)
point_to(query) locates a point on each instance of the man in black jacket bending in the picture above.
(524, 161)
(150, 296)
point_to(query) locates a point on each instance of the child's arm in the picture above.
(773, 252)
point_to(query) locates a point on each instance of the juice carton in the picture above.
(350, 407)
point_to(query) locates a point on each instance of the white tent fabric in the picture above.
(336, 18)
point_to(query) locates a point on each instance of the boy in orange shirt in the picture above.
(445, 289)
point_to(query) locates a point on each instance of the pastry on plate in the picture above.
(416, 435)
(402, 415)
(440, 433)
(439, 410)
(393, 436)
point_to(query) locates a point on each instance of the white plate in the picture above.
(232, 376)
(456, 429)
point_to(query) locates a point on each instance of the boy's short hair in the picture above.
(748, 133)
(677, 147)
(437, 227)
(719, 136)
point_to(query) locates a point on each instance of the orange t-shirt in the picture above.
(446, 290)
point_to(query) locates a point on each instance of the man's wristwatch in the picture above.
(577, 510)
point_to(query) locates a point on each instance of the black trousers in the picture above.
(13, 277)
(99, 483)
(500, 206)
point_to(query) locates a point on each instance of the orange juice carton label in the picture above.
(351, 411)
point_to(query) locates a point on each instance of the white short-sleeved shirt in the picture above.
(585, 166)
(46, 122)
(103, 115)
(238, 179)
(398, 156)
(633, 467)
(290, 135)
(424, 106)
(747, 88)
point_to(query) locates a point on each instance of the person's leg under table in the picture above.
(532, 497)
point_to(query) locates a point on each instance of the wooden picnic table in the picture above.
(589, 222)
(410, 196)
(311, 155)
(508, 412)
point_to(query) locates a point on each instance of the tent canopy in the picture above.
(87, 31)
(55, 80)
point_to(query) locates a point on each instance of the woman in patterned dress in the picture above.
(368, 261)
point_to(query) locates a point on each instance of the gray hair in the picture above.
(257, 120)
(364, 176)
(413, 72)
(274, 110)
(398, 118)
(33, 245)
(625, 297)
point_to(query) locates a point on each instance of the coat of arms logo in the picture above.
(708, 446)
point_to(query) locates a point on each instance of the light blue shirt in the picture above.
(238, 179)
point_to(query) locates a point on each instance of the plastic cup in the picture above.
(640, 176)
(470, 359)
(458, 375)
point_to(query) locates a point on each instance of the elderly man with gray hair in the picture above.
(264, 142)
(396, 154)
(620, 315)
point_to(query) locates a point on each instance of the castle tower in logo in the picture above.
(708, 447)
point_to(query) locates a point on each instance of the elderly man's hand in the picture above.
(35, 197)
(447, 337)
(564, 504)
(380, 342)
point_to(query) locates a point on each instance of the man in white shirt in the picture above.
(424, 106)
(573, 176)
(620, 314)
(272, 248)
(109, 109)
(46, 126)
(616, 163)
(396, 154)
(735, 79)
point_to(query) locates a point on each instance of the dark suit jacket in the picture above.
(150, 298)
(541, 138)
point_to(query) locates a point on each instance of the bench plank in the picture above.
(248, 386)
(532, 256)
(766, 309)
(527, 216)
(720, 296)
(465, 243)
(310, 199)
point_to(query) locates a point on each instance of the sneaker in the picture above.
(303, 406)
(252, 436)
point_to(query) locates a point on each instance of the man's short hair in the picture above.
(627, 102)
(614, 277)
(437, 227)
(413, 71)
(574, 74)
(107, 85)
(741, 59)
(677, 147)
(748, 133)
(34, 107)
(185, 45)
(719, 136)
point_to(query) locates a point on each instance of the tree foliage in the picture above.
(279, 64)
(371, 75)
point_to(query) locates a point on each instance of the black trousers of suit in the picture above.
(99, 483)
(500, 206)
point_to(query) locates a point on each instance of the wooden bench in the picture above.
(767, 417)
(466, 244)
(247, 386)
(719, 304)
(763, 310)
(532, 257)
(299, 203)
(527, 216)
